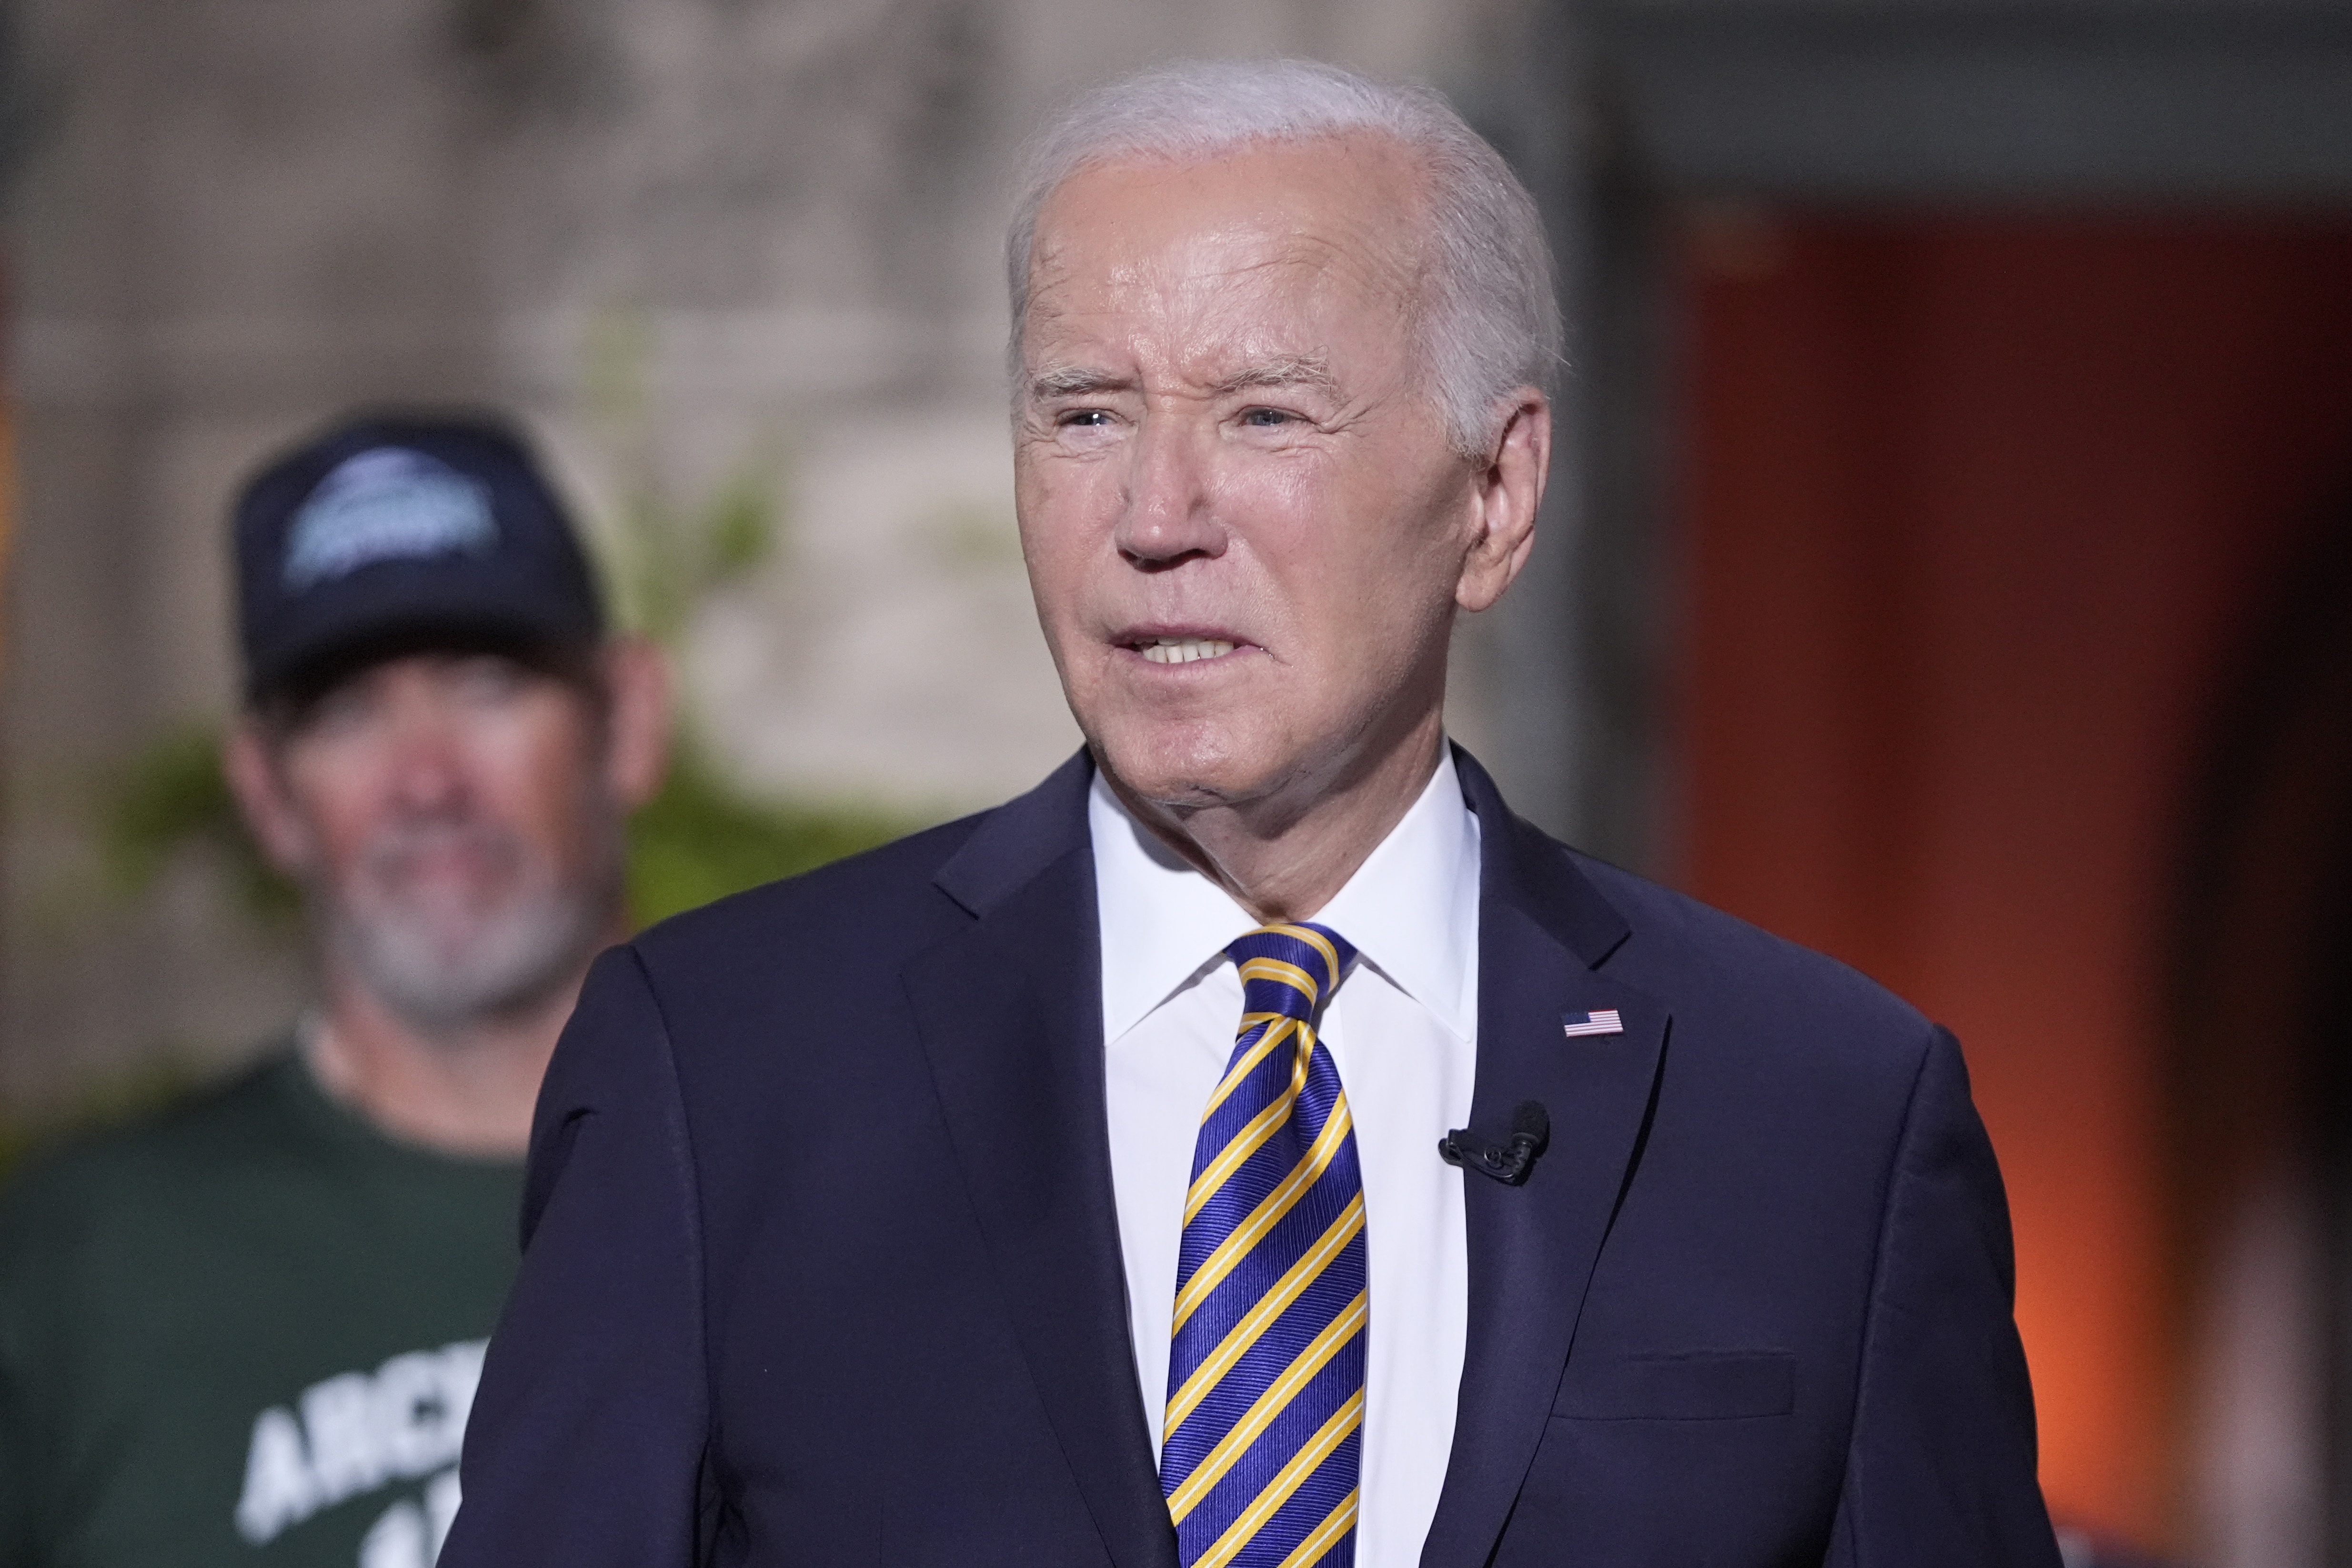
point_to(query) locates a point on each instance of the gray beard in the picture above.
(439, 966)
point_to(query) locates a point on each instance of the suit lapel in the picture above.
(1542, 931)
(1010, 1015)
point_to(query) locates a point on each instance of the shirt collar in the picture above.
(1411, 910)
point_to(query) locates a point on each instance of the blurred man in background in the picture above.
(248, 1330)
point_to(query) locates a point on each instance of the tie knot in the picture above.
(1290, 969)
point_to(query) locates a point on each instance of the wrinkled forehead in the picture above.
(1337, 222)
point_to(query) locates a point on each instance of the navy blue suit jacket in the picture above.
(821, 1266)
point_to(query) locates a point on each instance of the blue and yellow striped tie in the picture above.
(1265, 1379)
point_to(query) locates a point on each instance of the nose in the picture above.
(1169, 515)
(428, 766)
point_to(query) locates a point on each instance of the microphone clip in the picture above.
(1510, 1162)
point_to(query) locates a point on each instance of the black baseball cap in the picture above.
(393, 530)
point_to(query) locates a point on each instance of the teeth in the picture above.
(1184, 650)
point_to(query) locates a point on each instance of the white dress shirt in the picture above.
(1402, 1027)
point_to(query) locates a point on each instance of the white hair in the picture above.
(1490, 320)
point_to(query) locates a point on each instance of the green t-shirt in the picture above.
(246, 1333)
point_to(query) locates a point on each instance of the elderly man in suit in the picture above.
(1255, 1145)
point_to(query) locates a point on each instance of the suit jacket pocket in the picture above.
(1678, 1386)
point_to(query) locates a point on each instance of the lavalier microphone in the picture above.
(1508, 1162)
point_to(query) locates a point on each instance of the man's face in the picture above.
(1245, 527)
(453, 819)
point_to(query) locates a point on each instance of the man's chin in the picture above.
(1184, 769)
(441, 969)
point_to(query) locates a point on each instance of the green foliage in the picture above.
(666, 563)
(741, 531)
(700, 840)
(171, 798)
(664, 556)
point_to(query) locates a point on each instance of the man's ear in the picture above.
(1506, 495)
(269, 813)
(637, 720)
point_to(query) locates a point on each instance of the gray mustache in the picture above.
(393, 851)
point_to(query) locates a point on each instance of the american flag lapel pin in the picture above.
(1605, 1022)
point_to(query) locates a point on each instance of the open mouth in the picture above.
(1181, 649)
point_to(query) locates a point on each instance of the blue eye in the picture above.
(1087, 418)
(1266, 418)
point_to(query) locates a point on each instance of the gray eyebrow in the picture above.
(1072, 380)
(1289, 370)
